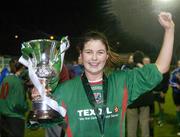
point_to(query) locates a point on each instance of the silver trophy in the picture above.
(44, 60)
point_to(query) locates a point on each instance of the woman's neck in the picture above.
(94, 77)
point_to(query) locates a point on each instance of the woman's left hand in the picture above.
(165, 19)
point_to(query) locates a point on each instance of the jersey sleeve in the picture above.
(141, 80)
(20, 98)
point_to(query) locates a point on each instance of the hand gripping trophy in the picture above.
(44, 60)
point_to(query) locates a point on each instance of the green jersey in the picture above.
(81, 117)
(13, 101)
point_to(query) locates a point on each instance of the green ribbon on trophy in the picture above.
(44, 60)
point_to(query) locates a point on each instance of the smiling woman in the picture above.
(103, 99)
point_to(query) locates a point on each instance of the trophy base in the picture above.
(42, 115)
(42, 118)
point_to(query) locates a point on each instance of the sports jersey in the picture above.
(13, 101)
(97, 89)
(81, 119)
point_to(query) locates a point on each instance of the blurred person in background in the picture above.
(77, 68)
(159, 96)
(130, 63)
(13, 104)
(175, 84)
(8, 70)
(138, 113)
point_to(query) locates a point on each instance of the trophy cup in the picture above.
(44, 60)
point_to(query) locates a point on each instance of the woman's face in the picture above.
(94, 56)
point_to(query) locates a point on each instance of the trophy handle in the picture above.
(64, 46)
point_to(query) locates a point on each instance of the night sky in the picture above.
(35, 19)
(121, 20)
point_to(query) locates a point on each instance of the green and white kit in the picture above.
(81, 116)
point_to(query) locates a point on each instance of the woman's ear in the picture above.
(107, 55)
(80, 54)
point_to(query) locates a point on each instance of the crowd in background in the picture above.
(141, 113)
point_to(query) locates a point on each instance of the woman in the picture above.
(96, 104)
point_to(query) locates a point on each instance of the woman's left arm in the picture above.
(164, 58)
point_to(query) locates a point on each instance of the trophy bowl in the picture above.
(44, 59)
